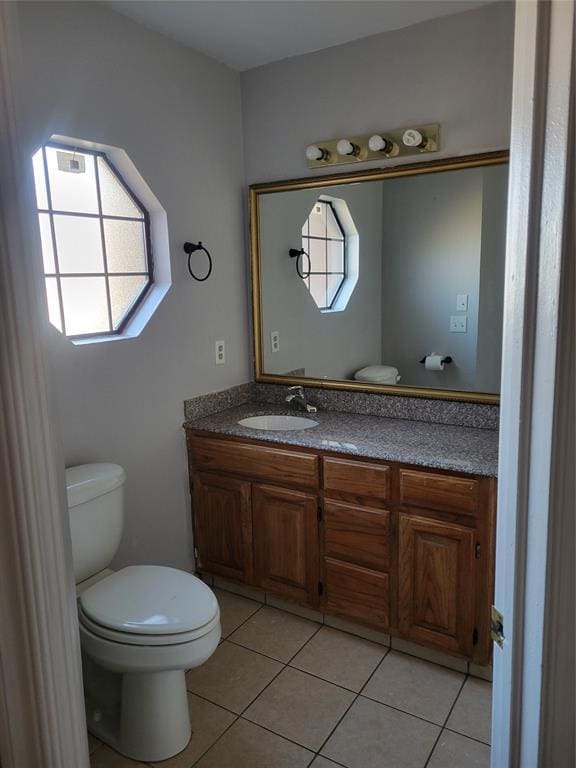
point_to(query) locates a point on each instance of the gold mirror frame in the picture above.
(436, 166)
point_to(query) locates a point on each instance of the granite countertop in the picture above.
(461, 449)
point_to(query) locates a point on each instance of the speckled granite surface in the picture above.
(204, 405)
(391, 406)
(344, 401)
(461, 449)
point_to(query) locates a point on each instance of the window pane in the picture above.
(317, 255)
(79, 244)
(72, 191)
(332, 226)
(125, 246)
(335, 261)
(334, 283)
(46, 240)
(317, 220)
(318, 289)
(123, 293)
(53, 303)
(40, 180)
(85, 305)
(115, 200)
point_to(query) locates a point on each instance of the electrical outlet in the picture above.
(220, 353)
(458, 324)
(462, 302)
(275, 339)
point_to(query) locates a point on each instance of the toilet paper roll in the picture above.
(434, 362)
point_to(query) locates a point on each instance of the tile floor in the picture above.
(283, 691)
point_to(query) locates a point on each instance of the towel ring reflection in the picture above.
(296, 253)
(190, 248)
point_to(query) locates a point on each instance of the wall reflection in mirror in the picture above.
(388, 272)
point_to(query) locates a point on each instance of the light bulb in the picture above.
(377, 143)
(413, 138)
(345, 148)
(314, 152)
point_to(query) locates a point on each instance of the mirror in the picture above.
(388, 281)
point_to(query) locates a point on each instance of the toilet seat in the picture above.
(149, 605)
(129, 638)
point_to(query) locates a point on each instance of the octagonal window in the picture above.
(95, 237)
(324, 240)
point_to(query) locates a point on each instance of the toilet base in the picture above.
(142, 715)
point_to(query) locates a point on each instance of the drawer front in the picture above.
(357, 593)
(254, 461)
(358, 478)
(444, 492)
(357, 535)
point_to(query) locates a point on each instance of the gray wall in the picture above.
(491, 307)
(456, 70)
(325, 344)
(432, 234)
(93, 74)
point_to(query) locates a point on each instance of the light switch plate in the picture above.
(462, 302)
(220, 353)
(458, 324)
(275, 341)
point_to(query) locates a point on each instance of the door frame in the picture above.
(538, 263)
(42, 721)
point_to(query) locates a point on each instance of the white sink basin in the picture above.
(278, 422)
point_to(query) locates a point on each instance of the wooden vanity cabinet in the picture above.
(407, 550)
(264, 534)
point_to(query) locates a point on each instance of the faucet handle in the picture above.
(297, 387)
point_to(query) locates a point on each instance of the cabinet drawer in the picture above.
(358, 478)
(444, 492)
(254, 461)
(357, 534)
(357, 593)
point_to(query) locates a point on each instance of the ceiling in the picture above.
(249, 33)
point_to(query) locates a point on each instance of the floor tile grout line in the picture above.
(322, 624)
(216, 742)
(304, 671)
(280, 735)
(266, 655)
(466, 736)
(243, 622)
(356, 697)
(443, 727)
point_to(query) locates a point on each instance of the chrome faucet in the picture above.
(298, 398)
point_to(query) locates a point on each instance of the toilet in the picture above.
(378, 374)
(141, 627)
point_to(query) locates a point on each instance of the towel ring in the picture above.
(190, 248)
(294, 253)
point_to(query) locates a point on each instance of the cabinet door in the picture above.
(286, 543)
(223, 526)
(356, 593)
(436, 591)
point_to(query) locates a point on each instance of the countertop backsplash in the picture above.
(450, 412)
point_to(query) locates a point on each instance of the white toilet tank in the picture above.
(96, 509)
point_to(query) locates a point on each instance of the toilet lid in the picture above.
(150, 600)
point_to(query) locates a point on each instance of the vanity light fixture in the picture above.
(382, 145)
(317, 154)
(345, 148)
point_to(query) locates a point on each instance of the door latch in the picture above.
(497, 626)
